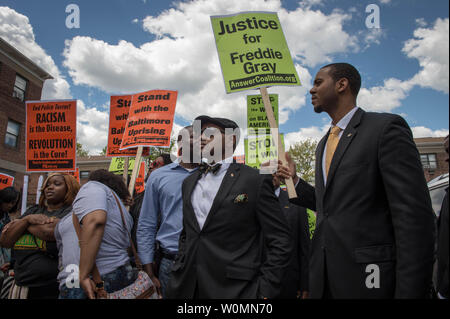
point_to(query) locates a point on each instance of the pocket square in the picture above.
(242, 198)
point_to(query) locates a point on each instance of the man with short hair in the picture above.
(162, 201)
(375, 226)
(135, 209)
(228, 208)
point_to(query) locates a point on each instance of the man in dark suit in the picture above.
(228, 209)
(375, 229)
(443, 267)
(295, 279)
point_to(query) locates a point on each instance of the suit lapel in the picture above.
(231, 176)
(189, 213)
(347, 137)
(319, 169)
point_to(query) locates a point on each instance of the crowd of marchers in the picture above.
(217, 229)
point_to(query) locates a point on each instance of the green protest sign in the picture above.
(253, 52)
(117, 164)
(260, 149)
(256, 113)
(311, 222)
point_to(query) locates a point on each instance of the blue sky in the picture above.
(135, 45)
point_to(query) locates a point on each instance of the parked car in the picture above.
(437, 187)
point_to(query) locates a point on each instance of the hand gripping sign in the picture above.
(51, 135)
(253, 53)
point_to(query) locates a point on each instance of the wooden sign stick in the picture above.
(137, 165)
(273, 124)
(125, 170)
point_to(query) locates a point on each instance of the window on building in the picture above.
(84, 174)
(20, 87)
(12, 133)
(428, 161)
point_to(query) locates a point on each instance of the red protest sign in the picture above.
(140, 180)
(118, 114)
(76, 174)
(51, 130)
(150, 119)
(6, 181)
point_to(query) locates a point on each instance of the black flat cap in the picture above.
(221, 122)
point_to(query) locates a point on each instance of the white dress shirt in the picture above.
(205, 191)
(342, 124)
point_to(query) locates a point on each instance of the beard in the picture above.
(318, 109)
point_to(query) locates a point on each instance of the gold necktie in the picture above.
(332, 142)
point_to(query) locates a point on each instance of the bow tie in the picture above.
(204, 168)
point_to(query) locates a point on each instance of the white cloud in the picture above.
(310, 3)
(314, 133)
(16, 29)
(384, 98)
(92, 125)
(314, 37)
(373, 36)
(421, 131)
(421, 22)
(385, 1)
(431, 48)
(184, 57)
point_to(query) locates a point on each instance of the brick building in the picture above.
(87, 164)
(20, 80)
(432, 155)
